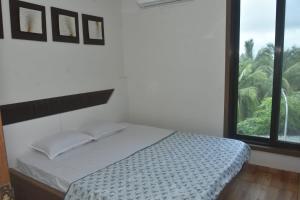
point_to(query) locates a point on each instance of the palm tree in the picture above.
(255, 78)
(255, 86)
(249, 48)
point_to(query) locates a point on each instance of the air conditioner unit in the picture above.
(148, 3)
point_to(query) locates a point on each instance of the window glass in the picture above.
(289, 127)
(256, 67)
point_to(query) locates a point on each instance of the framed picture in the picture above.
(1, 22)
(28, 21)
(64, 25)
(93, 30)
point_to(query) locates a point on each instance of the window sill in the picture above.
(276, 150)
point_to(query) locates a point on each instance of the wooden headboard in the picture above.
(19, 112)
(46, 121)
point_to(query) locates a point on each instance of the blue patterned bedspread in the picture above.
(183, 166)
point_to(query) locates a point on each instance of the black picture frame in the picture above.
(1, 23)
(57, 37)
(86, 31)
(17, 33)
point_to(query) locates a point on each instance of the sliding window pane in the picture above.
(257, 38)
(290, 102)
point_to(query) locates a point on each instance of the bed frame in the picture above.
(26, 188)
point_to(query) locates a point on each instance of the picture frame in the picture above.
(65, 26)
(28, 21)
(93, 30)
(1, 23)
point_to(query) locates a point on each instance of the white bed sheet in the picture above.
(78, 163)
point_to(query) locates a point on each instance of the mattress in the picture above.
(182, 166)
(78, 163)
(213, 162)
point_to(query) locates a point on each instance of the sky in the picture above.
(258, 23)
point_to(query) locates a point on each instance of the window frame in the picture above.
(271, 144)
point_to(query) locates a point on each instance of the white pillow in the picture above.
(57, 144)
(103, 129)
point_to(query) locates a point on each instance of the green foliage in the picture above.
(291, 57)
(255, 90)
(265, 56)
(259, 124)
(249, 48)
(294, 113)
(247, 102)
(292, 74)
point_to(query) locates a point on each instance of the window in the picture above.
(263, 72)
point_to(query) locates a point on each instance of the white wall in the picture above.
(276, 161)
(174, 58)
(32, 70)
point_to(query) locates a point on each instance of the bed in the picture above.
(139, 162)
